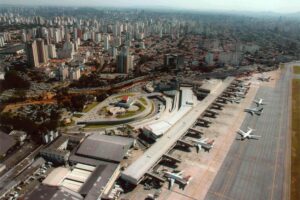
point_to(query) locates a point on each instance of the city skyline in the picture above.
(278, 6)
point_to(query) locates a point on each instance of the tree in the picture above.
(12, 79)
(78, 102)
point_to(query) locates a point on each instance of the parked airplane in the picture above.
(241, 89)
(259, 102)
(234, 99)
(264, 78)
(253, 111)
(177, 177)
(248, 135)
(203, 143)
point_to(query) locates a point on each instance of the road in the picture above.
(259, 169)
(10, 178)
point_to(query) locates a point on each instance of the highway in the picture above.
(259, 169)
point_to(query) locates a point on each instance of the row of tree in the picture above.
(16, 122)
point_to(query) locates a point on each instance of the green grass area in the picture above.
(144, 101)
(295, 176)
(296, 69)
(126, 115)
(90, 106)
(131, 113)
(125, 94)
(96, 126)
(77, 115)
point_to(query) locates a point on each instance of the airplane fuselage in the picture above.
(176, 177)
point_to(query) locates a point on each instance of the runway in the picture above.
(259, 169)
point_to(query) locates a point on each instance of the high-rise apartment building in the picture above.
(32, 54)
(124, 61)
(42, 52)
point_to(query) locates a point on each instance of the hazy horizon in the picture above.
(279, 6)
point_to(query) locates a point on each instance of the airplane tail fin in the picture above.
(250, 129)
(211, 142)
(187, 179)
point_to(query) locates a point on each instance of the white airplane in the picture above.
(248, 135)
(177, 177)
(241, 89)
(259, 102)
(206, 145)
(253, 111)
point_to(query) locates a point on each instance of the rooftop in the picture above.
(6, 142)
(46, 192)
(97, 181)
(104, 147)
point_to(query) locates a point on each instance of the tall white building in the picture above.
(106, 42)
(52, 51)
(98, 38)
(75, 73)
(63, 72)
(24, 37)
(57, 36)
(2, 43)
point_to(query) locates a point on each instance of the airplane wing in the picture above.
(204, 140)
(249, 111)
(179, 173)
(199, 147)
(171, 182)
(194, 140)
(241, 133)
(256, 136)
(207, 146)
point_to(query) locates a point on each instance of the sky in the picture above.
(280, 6)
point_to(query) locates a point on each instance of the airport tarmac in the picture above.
(203, 166)
(259, 169)
(234, 168)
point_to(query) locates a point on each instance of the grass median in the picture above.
(296, 69)
(295, 176)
